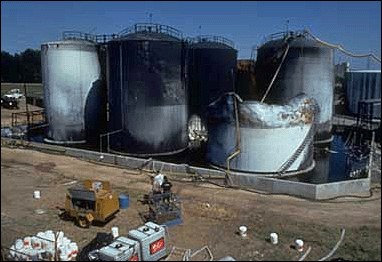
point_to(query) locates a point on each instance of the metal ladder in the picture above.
(307, 140)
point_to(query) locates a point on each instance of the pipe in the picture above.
(371, 155)
(306, 253)
(275, 75)
(335, 247)
(238, 150)
(107, 134)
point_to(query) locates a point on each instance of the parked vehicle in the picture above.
(9, 102)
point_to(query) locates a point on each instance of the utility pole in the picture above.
(27, 111)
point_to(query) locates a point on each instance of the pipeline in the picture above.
(335, 247)
(275, 75)
(342, 49)
(238, 150)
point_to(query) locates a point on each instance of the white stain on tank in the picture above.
(69, 70)
(157, 123)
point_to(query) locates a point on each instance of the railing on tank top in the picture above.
(210, 39)
(99, 39)
(152, 28)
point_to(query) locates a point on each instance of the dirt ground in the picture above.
(211, 214)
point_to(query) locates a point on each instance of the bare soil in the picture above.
(211, 214)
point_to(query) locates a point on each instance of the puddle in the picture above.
(339, 161)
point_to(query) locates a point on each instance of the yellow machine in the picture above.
(91, 201)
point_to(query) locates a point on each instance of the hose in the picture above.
(306, 253)
(342, 49)
(335, 247)
(275, 75)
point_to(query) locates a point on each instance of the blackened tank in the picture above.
(211, 71)
(148, 109)
(307, 68)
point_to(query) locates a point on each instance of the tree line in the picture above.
(21, 68)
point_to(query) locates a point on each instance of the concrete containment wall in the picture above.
(260, 183)
(305, 190)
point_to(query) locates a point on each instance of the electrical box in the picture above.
(122, 249)
(151, 238)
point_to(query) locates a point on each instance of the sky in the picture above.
(355, 25)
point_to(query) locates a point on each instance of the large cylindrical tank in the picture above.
(148, 109)
(211, 71)
(273, 138)
(73, 91)
(307, 68)
(363, 85)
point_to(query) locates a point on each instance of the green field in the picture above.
(33, 89)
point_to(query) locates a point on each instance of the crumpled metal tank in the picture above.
(271, 135)
(71, 79)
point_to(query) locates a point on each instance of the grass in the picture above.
(33, 89)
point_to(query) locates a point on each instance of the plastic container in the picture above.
(36, 194)
(114, 231)
(122, 249)
(274, 238)
(300, 246)
(36, 243)
(123, 201)
(243, 231)
(27, 242)
(19, 244)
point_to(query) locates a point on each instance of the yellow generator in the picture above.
(91, 201)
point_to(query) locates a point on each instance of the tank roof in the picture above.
(150, 30)
(70, 42)
(211, 41)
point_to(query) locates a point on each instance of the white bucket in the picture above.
(243, 231)
(114, 230)
(299, 245)
(60, 236)
(274, 238)
(36, 194)
(19, 244)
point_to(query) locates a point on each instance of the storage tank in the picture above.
(147, 91)
(211, 71)
(73, 90)
(363, 85)
(266, 139)
(245, 84)
(307, 68)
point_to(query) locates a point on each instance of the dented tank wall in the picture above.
(270, 135)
